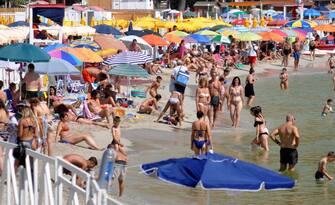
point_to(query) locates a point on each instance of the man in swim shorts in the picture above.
(215, 93)
(322, 168)
(288, 141)
(296, 52)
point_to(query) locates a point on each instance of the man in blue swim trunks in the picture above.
(297, 46)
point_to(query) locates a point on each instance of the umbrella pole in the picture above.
(208, 197)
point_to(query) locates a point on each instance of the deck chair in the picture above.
(88, 114)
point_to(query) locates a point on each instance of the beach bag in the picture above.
(182, 77)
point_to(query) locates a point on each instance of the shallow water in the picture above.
(304, 99)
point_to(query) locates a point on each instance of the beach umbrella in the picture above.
(301, 24)
(270, 12)
(128, 57)
(217, 27)
(311, 12)
(278, 17)
(325, 27)
(172, 38)
(56, 66)
(54, 46)
(228, 33)
(84, 54)
(18, 23)
(269, 36)
(108, 42)
(237, 13)
(248, 36)
(331, 15)
(233, 11)
(128, 70)
(206, 33)
(239, 22)
(23, 52)
(279, 32)
(154, 40)
(73, 60)
(178, 33)
(240, 28)
(135, 33)
(199, 38)
(221, 39)
(106, 29)
(127, 40)
(106, 52)
(189, 40)
(217, 172)
(93, 48)
(277, 23)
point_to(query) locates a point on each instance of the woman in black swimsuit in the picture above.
(262, 133)
(249, 87)
(312, 46)
(287, 50)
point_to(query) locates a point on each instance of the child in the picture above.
(154, 86)
(322, 168)
(283, 79)
(116, 135)
(327, 108)
(331, 62)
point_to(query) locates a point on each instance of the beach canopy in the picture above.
(217, 172)
(23, 52)
(73, 60)
(325, 27)
(199, 38)
(54, 47)
(312, 12)
(128, 70)
(106, 29)
(128, 57)
(108, 42)
(56, 66)
(301, 24)
(248, 36)
(154, 40)
(18, 23)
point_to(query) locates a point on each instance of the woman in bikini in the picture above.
(4, 119)
(262, 133)
(202, 97)
(148, 105)
(236, 93)
(63, 130)
(283, 79)
(201, 136)
(175, 103)
(28, 131)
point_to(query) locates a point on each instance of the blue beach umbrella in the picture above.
(278, 17)
(18, 23)
(66, 56)
(312, 12)
(217, 172)
(106, 29)
(331, 15)
(93, 48)
(23, 52)
(199, 38)
(56, 67)
(54, 47)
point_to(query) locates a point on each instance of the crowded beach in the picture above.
(153, 89)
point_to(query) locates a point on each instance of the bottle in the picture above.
(106, 168)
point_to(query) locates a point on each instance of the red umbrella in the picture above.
(155, 40)
(238, 22)
(277, 23)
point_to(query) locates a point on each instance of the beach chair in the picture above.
(74, 86)
(88, 114)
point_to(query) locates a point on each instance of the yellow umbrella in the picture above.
(82, 21)
(106, 52)
(254, 23)
(92, 23)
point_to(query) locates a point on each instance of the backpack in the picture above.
(182, 77)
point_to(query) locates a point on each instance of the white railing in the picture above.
(42, 181)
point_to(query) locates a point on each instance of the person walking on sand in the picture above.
(283, 79)
(215, 93)
(322, 167)
(289, 141)
(249, 87)
(296, 53)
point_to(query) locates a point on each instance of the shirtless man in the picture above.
(95, 107)
(322, 166)
(154, 86)
(296, 52)
(215, 93)
(121, 160)
(289, 142)
(82, 163)
(33, 82)
(116, 134)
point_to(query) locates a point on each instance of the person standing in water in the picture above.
(327, 108)
(262, 133)
(287, 50)
(289, 141)
(322, 167)
(249, 87)
(236, 93)
(312, 46)
(331, 63)
(283, 79)
(201, 137)
(215, 92)
(296, 53)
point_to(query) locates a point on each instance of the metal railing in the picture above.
(42, 181)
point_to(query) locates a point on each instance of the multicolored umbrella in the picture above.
(221, 39)
(279, 32)
(66, 56)
(238, 22)
(154, 40)
(228, 33)
(301, 24)
(248, 36)
(23, 52)
(54, 47)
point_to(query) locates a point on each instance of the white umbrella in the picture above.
(56, 66)
(140, 41)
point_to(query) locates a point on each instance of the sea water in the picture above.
(305, 99)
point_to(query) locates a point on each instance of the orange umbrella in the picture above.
(154, 40)
(108, 42)
(172, 38)
(271, 36)
(325, 27)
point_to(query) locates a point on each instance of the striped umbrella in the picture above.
(128, 57)
(301, 24)
(128, 70)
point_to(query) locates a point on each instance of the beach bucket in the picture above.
(120, 112)
(138, 93)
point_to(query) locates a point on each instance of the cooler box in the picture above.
(138, 93)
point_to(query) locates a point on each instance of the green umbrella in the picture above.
(221, 39)
(206, 33)
(239, 13)
(23, 52)
(128, 70)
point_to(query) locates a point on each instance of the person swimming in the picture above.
(327, 108)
